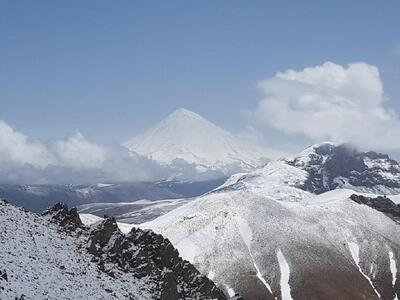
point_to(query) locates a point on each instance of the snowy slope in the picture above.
(264, 236)
(186, 135)
(43, 263)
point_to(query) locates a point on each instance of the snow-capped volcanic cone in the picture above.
(268, 235)
(187, 136)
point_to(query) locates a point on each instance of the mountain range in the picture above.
(305, 227)
(321, 224)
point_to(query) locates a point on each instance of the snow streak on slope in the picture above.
(245, 232)
(285, 274)
(393, 267)
(186, 135)
(355, 253)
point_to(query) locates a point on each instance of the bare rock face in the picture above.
(3, 275)
(145, 253)
(330, 167)
(67, 218)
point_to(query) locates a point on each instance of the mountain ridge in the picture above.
(269, 234)
(53, 256)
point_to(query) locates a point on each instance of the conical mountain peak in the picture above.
(186, 135)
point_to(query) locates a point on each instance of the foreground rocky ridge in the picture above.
(145, 253)
(55, 256)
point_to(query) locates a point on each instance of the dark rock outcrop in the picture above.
(329, 167)
(67, 218)
(381, 203)
(3, 275)
(145, 253)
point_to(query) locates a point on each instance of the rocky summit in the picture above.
(331, 166)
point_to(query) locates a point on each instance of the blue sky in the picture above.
(113, 68)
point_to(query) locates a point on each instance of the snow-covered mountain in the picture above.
(290, 230)
(185, 135)
(54, 256)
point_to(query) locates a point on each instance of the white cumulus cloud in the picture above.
(77, 152)
(331, 102)
(15, 148)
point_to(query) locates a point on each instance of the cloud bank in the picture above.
(76, 160)
(73, 160)
(331, 102)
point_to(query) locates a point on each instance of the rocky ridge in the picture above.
(146, 253)
(54, 255)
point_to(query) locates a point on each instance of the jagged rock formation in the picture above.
(330, 167)
(53, 256)
(380, 203)
(3, 275)
(67, 218)
(145, 253)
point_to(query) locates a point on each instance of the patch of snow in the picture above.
(101, 185)
(124, 227)
(230, 290)
(355, 253)
(187, 250)
(211, 275)
(89, 219)
(285, 274)
(395, 198)
(245, 231)
(259, 275)
(247, 236)
(393, 267)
